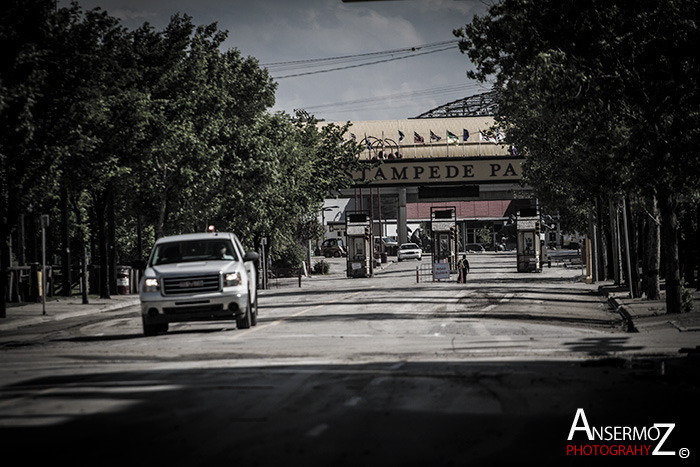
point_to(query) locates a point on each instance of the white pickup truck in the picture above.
(199, 277)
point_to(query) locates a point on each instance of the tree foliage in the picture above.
(602, 98)
(148, 132)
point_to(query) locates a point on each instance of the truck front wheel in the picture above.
(153, 329)
(244, 321)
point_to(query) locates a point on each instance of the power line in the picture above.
(431, 92)
(393, 101)
(353, 57)
(361, 64)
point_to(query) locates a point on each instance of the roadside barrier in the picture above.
(424, 273)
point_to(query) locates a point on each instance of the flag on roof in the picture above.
(465, 134)
(434, 137)
(452, 139)
(484, 137)
(500, 136)
(417, 138)
(400, 136)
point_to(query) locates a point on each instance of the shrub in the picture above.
(321, 267)
(687, 298)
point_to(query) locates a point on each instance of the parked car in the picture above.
(474, 248)
(409, 251)
(333, 247)
(198, 277)
(390, 245)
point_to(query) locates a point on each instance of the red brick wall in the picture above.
(465, 209)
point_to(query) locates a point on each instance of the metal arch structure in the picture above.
(479, 105)
(380, 149)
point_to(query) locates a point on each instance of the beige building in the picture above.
(385, 137)
(428, 163)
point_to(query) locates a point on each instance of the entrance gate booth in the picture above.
(529, 247)
(443, 226)
(360, 260)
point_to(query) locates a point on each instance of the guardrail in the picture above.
(566, 257)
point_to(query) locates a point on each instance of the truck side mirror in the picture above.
(251, 256)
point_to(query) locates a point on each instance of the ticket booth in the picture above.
(529, 245)
(360, 260)
(445, 235)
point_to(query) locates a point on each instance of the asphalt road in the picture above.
(377, 371)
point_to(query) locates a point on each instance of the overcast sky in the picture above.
(287, 30)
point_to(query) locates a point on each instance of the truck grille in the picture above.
(181, 285)
(193, 309)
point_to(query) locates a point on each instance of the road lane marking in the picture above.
(317, 430)
(43, 392)
(480, 329)
(298, 313)
(505, 299)
(352, 402)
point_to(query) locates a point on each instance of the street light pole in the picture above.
(263, 242)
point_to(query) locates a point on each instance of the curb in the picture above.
(19, 322)
(620, 308)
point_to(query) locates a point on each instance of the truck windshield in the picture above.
(194, 250)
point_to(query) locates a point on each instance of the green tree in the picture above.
(25, 35)
(274, 181)
(91, 120)
(583, 96)
(132, 135)
(202, 100)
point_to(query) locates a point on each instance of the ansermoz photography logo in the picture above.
(651, 440)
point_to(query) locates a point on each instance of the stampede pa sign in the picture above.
(442, 170)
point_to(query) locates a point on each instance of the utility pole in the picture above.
(263, 242)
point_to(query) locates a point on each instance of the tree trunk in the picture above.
(84, 283)
(161, 219)
(111, 241)
(100, 207)
(66, 278)
(600, 241)
(688, 246)
(696, 249)
(668, 205)
(139, 237)
(652, 250)
(8, 218)
(631, 251)
(4, 265)
(615, 243)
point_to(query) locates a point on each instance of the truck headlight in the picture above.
(232, 279)
(151, 284)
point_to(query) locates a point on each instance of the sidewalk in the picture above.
(58, 308)
(642, 315)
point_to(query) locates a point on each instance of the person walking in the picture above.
(463, 266)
